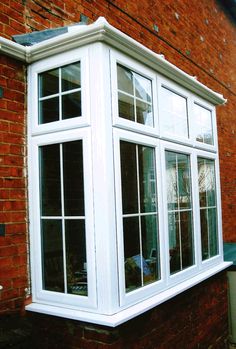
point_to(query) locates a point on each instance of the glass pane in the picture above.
(70, 77)
(150, 249)
(126, 107)
(125, 79)
(52, 255)
(184, 181)
(206, 182)
(49, 83)
(129, 177)
(143, 88)
(49, 110)
(213, 232)
(178, 181)
(71, 105)
(208, 212)
(172, 180)
(203, 122)
(204, 234)
(144, 113)
(50, 180)
(133, 278)
(76, 263)
(174, 241)
(147, 179)
(187, 245)
(174, 116)
(73, 178)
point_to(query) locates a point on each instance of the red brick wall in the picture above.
(13, 247)
(200, 38)
(196, 319)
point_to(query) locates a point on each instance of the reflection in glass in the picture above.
(70, 77)
(125, 79)
(144, 113)
(179, 201)
(174, 115)
(73, 178)
(71, 105)
(49, 83)
(140, 225)
(76, 266)
(50, 180)
(134, 96)
(203, 122)
(126, 107)
(208, 212)
(52, 258)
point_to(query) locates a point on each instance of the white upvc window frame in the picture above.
(175, 88)
(99, 47)
(78, 55)
(155, 287)
(208, 106)
(119, 58)
(39, 294)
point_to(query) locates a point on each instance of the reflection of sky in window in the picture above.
(203, 124)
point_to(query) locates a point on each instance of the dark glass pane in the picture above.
(147, 179)
(126, 107)
(73, 178)
(204, 234)
(71, 105)
(50, 180)
(150, 249)
(125, 79)
(186, 239)
(174, 241)
(49, 110)
(70, 77)
(129, 177)
(144, 113)
(76, 263)
(52, 255)
(49, 83)
(213, 231)
(133, 259)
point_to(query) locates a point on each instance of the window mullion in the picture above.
(139, 217)
(179, 222)
(60, 95)
(63, 218)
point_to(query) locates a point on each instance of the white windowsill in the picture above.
(129, 313)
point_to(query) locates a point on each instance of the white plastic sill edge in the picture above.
(131, 312)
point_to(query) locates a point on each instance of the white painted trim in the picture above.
(102, 31)
(129, 313)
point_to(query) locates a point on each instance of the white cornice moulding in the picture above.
(102, 31)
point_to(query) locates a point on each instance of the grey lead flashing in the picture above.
(33, 38)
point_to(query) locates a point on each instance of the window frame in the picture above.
(135, 66)
(99, 116)
(155, 287)
(77, 55)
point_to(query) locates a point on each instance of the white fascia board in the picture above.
(131, 312)
(12, 49)
(102, 31)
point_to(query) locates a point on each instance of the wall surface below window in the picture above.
(195, 319)
(199, 38)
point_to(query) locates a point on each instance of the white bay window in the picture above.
(123, 178)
